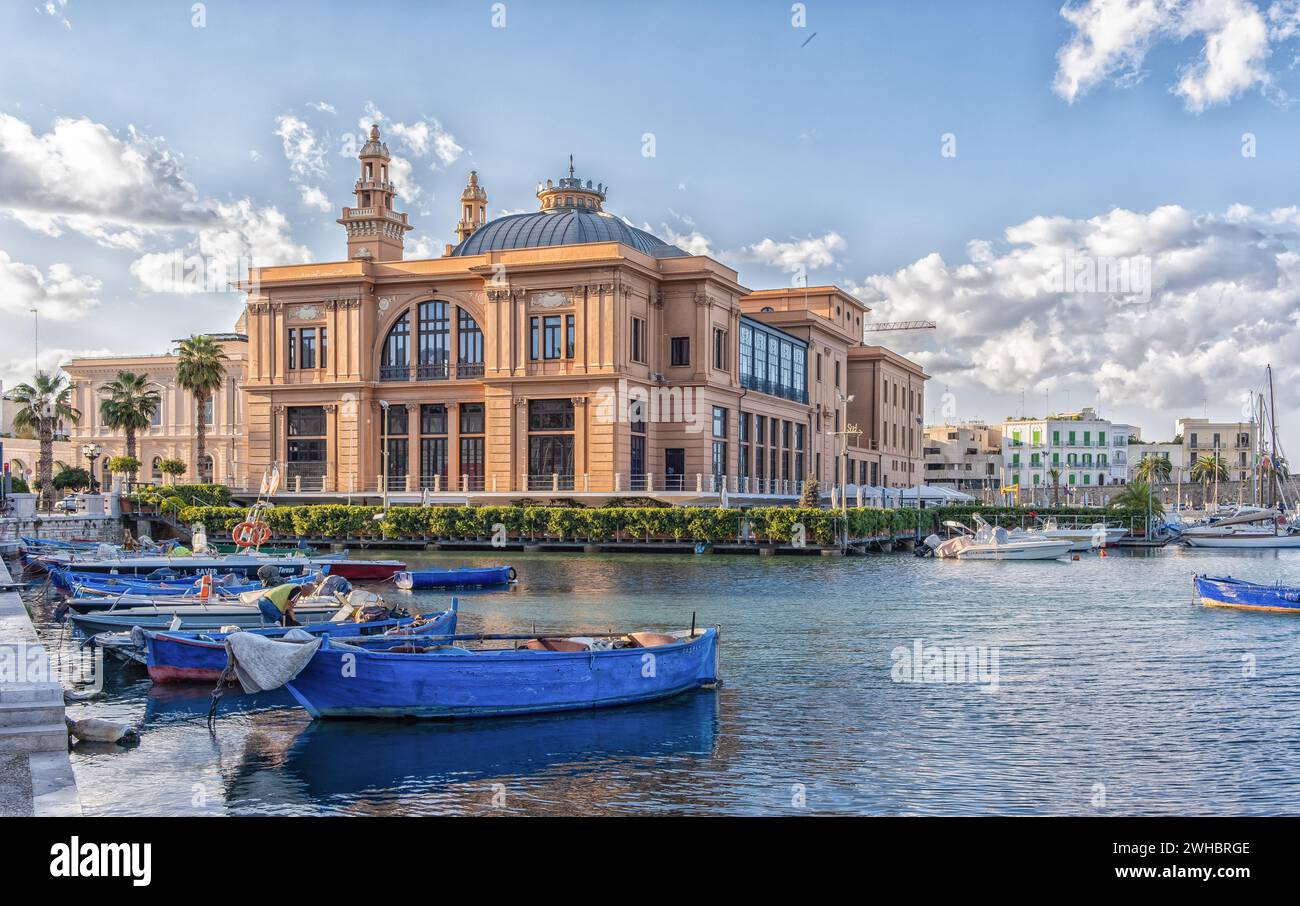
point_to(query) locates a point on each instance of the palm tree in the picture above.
(1054, 475)
(43, 405)
(200, 369)
(1206, 469)
(1137, 496)
(1154, 469)
(129, 402)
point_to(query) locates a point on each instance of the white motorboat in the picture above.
(1248, 528)
(1082, 538)
(988, 542)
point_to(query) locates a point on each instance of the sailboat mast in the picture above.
(1272, 423)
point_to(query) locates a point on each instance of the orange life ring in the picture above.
(251, 534)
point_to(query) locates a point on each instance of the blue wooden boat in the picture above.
(182, 657)
(464, 577)
(129, 595)
(536, 676)
(1225, 591)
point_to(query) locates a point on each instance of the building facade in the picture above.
(1084, 449)
(559, 351)
(173, 434)
(964, 457)
(1233, 442)
(1172, 453)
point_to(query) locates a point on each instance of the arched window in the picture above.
(470, 353)
(156, 470)
(395, 365)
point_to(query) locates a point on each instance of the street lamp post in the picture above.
(91, 452)
(383, 453)
(845, 431)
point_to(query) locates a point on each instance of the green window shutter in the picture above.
(1056, 438)
(1038, 438)
(1072, 438)
(1071, 478)
(1056, 459)
(1087, 478)
(1101, 438)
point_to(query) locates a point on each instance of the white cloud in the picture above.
(1112, 38)
(1224, 301)
(80, 176)
(303, 151)
(243, 236)
(322, 107)
(794, 255)
(314, 197)
(419, 138)
(22, 369)
(57, 294)
(694, 242)
(419, 247)
(56, 10)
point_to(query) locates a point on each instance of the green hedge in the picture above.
(603, 524)
(167, 496)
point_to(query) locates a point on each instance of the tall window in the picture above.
(307, 348)
(719, 349)
(569, 336)
(434, 339)
(638, 462)
(397, 425)
(470, 339)
(293, 348)
(433, 445)
(550, 443)
(471, 447)
(324, 348)
(547, 338)
(742, 464)
(305, 447)
(638, 341)
(395, 362)
(719, 440)
(798, 453)
(771, 361)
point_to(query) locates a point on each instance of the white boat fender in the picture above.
(97, 729)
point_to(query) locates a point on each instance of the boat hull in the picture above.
(192, 618)
(455, 578)
(1039, 550)
(362, 570)
(350, 683)
(1244, 541)
(1235, 594)
(186, 658)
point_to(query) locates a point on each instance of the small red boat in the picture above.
(360, 570)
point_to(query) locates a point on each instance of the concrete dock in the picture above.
(36, 776)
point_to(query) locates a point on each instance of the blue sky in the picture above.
(776, 148)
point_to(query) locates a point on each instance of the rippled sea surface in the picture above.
(1114, 695)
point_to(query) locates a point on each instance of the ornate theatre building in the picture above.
(559, 351)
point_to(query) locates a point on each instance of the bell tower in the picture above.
(375, 230)
(473, 208)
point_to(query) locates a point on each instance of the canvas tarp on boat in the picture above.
(262, 664)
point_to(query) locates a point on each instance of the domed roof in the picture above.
(562, 226)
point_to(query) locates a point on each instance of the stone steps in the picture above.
(29, 738)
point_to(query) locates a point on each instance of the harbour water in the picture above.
(1114, 695)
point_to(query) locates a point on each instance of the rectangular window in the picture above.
(1056, 438)
(819, 367)
(471, 461)
(397, 422)
(719, 349)
(638, 454)
(837, 378)
(293, 348)
(719, 457)
(433, 418)
(307, 348)
(534, 339)
(209, 411)
(469, 338)
(306, 421)
(1071, 438)
(638, 341)
(471, 418)
(324, 348)
(550, 415)
(569, 336)
(551, 338)
(719, 421)
(681, 350)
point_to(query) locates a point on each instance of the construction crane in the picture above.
(898, 325)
